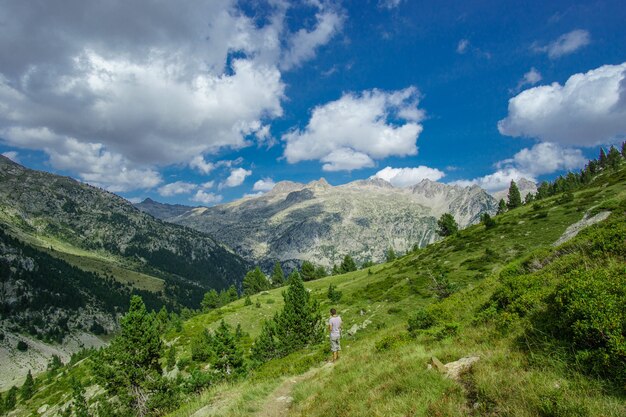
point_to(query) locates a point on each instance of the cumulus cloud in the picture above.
(353, 131)
(565, 44)
(176, 188)
(263, 185)
(589, 109)
(150, 83)
(204, 197)
(198, 163)
(12, 155)
(236, 178)
(462, 46)
(543, 158)
(405, 177)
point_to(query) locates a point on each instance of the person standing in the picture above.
(334, 327)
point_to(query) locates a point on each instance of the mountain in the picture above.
(525, 187)
(322, 223)
(71, 255)
(162, 211)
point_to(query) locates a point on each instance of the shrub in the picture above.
(421, 320)
(22, 346)
(334, 295)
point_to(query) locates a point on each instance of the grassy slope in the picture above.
(383, 372)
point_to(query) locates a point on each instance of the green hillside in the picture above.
(547, 323)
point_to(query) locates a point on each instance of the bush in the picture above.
(390, 342)
(22, 346)
(421, 320)
(333, 295)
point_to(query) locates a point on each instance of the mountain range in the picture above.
(322, 223)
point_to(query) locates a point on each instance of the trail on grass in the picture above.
(279, 401)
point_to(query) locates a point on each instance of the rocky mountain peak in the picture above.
(286, 187)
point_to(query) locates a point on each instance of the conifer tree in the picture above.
(391, 255)
(347, 265)
(265, 346)
(447, 226)
(543, 191)
(501, 207)
(171, 358)
(210, 301)
(530, 197)
(233, 294)
(162, 318)
(2, 405)
(202, 347)
(79, 402)
(248, 301)
(487, 220)
(613, 159)
(514, 197)
(333, 295)
(602, 158)
(255, 281)
(278, 276)
(228, 357)
(129, 368)
(28, 388)
(320, 272)
(624, 149)
(11, 399)
(307, 271)
(299, 322)
(337, 270)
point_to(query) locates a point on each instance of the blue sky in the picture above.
(205, 101)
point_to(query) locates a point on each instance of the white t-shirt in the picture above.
(335, 326)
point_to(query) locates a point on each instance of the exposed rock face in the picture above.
(575, 228)
(162, 211)
(322, 223)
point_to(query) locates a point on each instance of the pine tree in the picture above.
(210, 301)
(307, 271)
(543, 191)
(228, 357)
(201, 347)
(129, 368)
(233, 294)
(447, 226)
(162, 319)
(79, 402)
(333, 295)
(514, 197)
(487, 220)
(265, 346)
(171, 358)
(347, 265)
(530, 197)
(11, 399)
(337, 270)
(28, 388)
(320, 272)
(624, 149)
(278, 276)
(299, 322)
(602, 158)
(248, 301)
(613, 159)
(254, 282)
(391, 255)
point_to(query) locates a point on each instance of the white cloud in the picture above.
(176, 188)
(236, 178)
(543, 158)
(565, 44)
(12, 155)
(263, 185)
(303, 43)
(532, 77)
(151, 83)
(589, 109)
(207, 185)
(351, 132)
(462, 46)
(389, 4)
(405, 177)
(206, 198)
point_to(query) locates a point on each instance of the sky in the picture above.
(202, 102)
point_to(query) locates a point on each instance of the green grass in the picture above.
(383, 371)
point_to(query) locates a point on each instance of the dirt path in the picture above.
(278, 402)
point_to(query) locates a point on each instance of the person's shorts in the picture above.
(334, 344)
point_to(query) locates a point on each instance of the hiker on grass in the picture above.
(334, 327)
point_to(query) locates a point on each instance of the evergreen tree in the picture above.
(320, 272)
(2, 410)
(248, 301)
(233, 294)
(162, 318)
(299, 322)
(28, 388)
(347, 265)
(79, 402)
(514, 198)
(129, 368)
(228, 357)
(336, 270)
(255, 282)
(171, 358)
(278, 276)
(265, 346)
(307, 271)
(210, 301)
(592, 167)
(530, 197)
(333, 295)
(501, 207)
(11, 399)
(624, 149)
(543, 191)
(487, 220)
(239, 332)
(602, 159)
(391, 255)
(201, 347)
(613, 159)
(447, 225)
